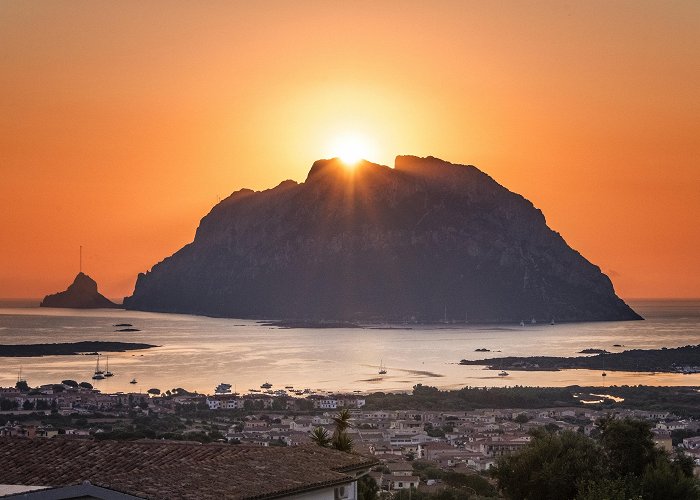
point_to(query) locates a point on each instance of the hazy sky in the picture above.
(122, 122)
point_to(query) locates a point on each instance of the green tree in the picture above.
(684, 463)
(628, 445)
(340, 440)
(367, 488)
(662, 481)
(320, 436)
(521, 419)
(551, 467)
(22, 386)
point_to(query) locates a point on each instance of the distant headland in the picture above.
(81, 294)
(426, 241)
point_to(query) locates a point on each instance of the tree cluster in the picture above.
(623, 464)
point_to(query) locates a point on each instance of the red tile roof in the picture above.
(167, 470)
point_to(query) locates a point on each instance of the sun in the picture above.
(351, 148)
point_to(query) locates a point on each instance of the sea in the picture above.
(197, 353)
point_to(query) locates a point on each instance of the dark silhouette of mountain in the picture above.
(81, 294)
(425, 241)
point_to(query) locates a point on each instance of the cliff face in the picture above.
(81, 294)
(420, 241)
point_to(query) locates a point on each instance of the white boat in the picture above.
(133, 381)
(382, 368)
(503, 374)
(108, 373)
(522, 323)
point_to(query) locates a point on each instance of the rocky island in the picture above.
(679, 360)
(425, 241)
(68, 348)
(81, 294)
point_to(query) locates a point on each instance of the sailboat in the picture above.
(108, 373)
(382, 368)
(99, 374)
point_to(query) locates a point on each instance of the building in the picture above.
(149, 470)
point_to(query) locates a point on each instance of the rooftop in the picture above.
(175, 470)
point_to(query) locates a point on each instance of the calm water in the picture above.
(197, 352)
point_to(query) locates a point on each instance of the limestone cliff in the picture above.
(424, 240)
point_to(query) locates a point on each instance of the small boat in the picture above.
(99, 374)
(503, 374)
(522, 323)
(108, 373)
(552, 322)
(266, 385)
(97, 367)
(133, 381)
(223, 388)
(382, 368)
(603, 374)
(289, 387)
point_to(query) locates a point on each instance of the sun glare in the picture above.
(351, 148)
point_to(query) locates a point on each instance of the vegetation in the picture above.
(367, 488)
(684, 401)
(339, 439)
(623, 464)
(454, 483)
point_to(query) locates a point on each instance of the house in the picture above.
(692, 443)
(404, 482)
(137, 470)
(400, 468)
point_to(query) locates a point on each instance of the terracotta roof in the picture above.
(158, 470)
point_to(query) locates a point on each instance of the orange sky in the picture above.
(121, 122)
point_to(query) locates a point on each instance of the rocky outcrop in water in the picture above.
(81, 294)
(425, 241)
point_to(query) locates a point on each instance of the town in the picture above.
(415, 449)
